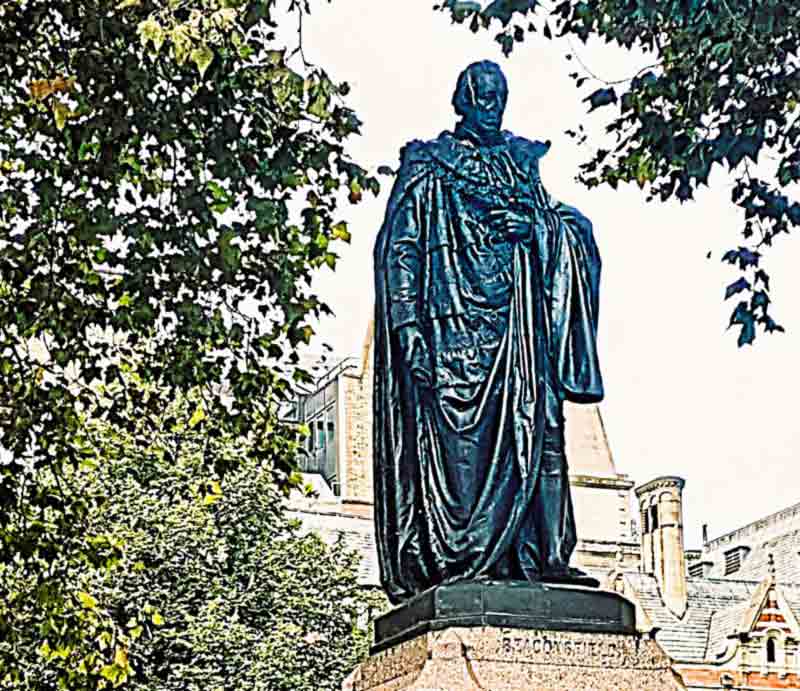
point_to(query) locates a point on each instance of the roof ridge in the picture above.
(788, 510)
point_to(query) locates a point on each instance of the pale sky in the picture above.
(681, 398)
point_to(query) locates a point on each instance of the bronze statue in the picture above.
(486, 321)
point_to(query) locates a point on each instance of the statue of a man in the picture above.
(486, 321)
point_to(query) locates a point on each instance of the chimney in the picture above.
(661, 507)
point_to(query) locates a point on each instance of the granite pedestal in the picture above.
(513, 637)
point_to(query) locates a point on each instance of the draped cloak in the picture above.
(510, 328)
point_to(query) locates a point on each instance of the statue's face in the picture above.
(486, 113)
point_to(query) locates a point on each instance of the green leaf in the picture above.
(112, 672)
(231, 254)
(601, 97)
(61, 113)
(340, 232)
(146, 296)
(722, 51)
(86, 600)
(461, 9)
(149, 31)
(319, 101)
(198, 416)
(202, 58)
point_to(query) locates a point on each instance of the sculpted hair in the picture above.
(464, 96)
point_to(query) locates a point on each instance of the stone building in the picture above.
(727, 615)
(337, 458)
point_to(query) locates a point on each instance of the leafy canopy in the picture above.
(723, 90)
(170, 176)
(177, 578)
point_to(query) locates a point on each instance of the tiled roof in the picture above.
(724, 624)
(715, 611)
(686, 639)
(785, 550)
(792, 595)
(779, 523)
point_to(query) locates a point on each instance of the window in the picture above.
(771, 654)
(774, 652)
(320, 434)
(653, 517)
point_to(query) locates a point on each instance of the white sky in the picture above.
(681, 398)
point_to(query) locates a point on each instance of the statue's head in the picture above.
(480, 97)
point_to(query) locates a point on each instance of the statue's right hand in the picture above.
(415, 353)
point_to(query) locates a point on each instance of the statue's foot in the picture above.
(570, 576)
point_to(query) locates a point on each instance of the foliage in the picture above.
(170, 177)
(169, 185)
(723, 90)
(195, 582)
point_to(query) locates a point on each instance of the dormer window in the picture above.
(734, 558)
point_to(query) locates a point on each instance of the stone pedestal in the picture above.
(459, 638)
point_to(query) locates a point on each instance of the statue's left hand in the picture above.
(515, 225)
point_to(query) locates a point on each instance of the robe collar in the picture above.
(491, 139)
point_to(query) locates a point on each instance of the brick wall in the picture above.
(705, 678)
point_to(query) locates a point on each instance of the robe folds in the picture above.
(510, 330)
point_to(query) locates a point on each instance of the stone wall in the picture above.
(356, 388)
(602, 507)
(507, 659)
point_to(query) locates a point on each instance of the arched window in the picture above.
(653, 517)
(774, 653)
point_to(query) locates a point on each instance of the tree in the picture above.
(722, 90)
(166, 174)
(170, 174)
(196, 581)
(170, 178)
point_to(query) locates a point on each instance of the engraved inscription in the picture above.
(564, 649)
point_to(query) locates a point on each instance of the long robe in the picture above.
(510, 327)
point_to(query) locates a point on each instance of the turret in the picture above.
(661, 510)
